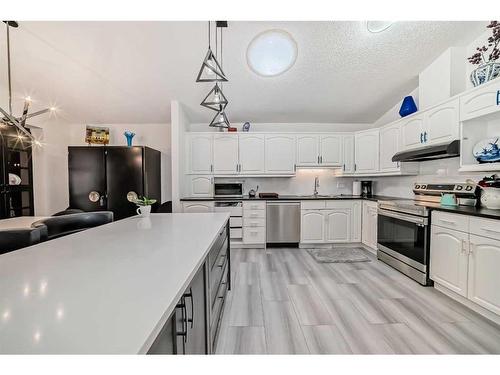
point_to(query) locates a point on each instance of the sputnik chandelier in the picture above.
(8, 118)
(212, 71)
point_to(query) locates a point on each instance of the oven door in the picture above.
(404, 237)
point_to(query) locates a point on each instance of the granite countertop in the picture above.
(286, 197)
(466, 210)
(105, 290)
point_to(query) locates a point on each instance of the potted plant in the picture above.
(486, 57)
(144, 203)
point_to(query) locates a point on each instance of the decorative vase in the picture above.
(484, 73)
(129, 135)
(408, 106)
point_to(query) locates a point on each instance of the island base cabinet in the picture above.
(484, 275)
(193, 326)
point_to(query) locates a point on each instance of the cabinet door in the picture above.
(312, 226)
(194, 207)
(480, 102)
(165, 342)
(338, 225)
(441, 123)
(390, 140)
(280, 154)
(449, 258)
(367, 151)
(484, 278)
(200, 186)
(412, 132)
(307, 149)
(87, 172)
(226, 154)
(348, 151)
(356, 221)
(124, 174)
(331, 150)
(369, 224)
(252, 154)
(200, 153)
(195, 299)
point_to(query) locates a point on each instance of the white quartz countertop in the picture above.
(105, 290)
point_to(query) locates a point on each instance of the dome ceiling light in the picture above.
(376, 27)
(272, 53)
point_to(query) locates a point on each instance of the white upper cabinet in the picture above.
(225, 151)
(280, 154)
(441, 123)
(412, 132)
(484, 278)
(200, 186)
(348, 153)
(338, 225)
(199, 150)
(481, 101)
(449, 258)
(252, 154)
(367, 151)
(307, 149)
(331, 150)
(390, 141)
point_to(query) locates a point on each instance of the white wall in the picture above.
(156, 136)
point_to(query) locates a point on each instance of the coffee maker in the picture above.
(366, 188)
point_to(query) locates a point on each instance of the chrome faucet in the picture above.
(316, 185)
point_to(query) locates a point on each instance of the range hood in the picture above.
(448, 150)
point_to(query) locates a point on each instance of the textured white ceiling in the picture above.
(127, 72)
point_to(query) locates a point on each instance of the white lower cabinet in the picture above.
(369, 224)
(465, 261)
(484, 275)
(330, 222)
(449, 258)
(254, 223)
(197, 206)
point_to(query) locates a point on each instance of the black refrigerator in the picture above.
(101, 177)
(16, 174)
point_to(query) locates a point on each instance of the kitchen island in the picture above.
(109, 289)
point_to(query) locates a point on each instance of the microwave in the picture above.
(231, 189)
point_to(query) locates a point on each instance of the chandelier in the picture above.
(8, 118)
(212, 71)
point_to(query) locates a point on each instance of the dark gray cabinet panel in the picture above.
(195, 297)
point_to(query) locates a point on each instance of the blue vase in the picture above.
(407, 107)
(129, 135)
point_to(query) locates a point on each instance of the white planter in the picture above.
(144, 211)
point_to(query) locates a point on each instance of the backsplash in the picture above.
(439, 171)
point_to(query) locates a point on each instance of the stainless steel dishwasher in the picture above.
(283, 223)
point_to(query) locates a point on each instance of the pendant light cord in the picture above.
(209, 34)
(8, 69)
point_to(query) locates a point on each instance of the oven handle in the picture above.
(412, 219)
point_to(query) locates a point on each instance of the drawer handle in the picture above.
(498, 97)
(491, 230)
(448, 222)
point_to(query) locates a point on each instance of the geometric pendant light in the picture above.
(220, 120)
(210, 70)
(215, 99)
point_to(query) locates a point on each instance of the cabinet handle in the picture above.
(321, 159)
(343, 167)
(182, 306)
(425, 137)
(421, 138)
(464, 246)
(211, 167)
(448, 222)
(471, 245)
(190, 296)
(397, 163)
(355, 167)
(498, 97)
(318, 159)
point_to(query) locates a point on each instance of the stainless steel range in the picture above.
(403, 228)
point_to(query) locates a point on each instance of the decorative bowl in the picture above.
(487, 151)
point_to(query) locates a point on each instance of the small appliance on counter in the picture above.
(268, 195)
(356, 188)
(489, 191)
(366, 188)
(253, 192)
(228, 189)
